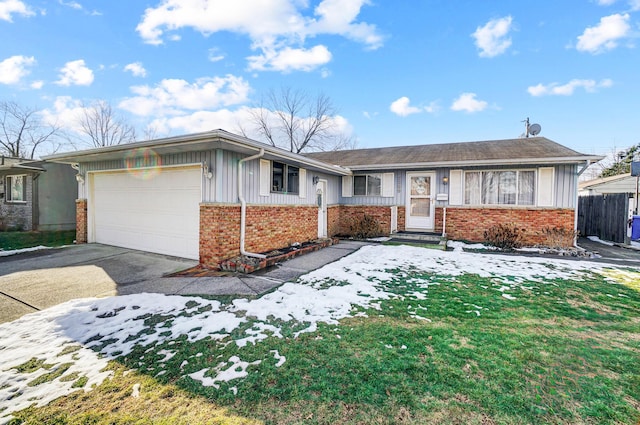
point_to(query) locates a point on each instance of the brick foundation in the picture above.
(470, 223)
(81, 221)
(333, 220)
(268, 227)
(347, 214)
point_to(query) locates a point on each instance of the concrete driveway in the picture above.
(37, 280)
(34, 281)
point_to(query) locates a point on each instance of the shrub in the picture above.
(365, 227)
(558, 237)
(504, 237)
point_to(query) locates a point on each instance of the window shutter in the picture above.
(388, 185)
(265, 177)
(456, 190)
(302, 184)
(546, 187)
(347, 186)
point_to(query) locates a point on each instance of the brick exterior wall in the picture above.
(333, 220)
(349, 213)
(268, 227)
(470, 223)
(18, 215)
(401, 219)
(81, 221)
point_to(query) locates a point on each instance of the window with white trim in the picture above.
(16, 189)
(285, 178)
(367, 185)
(501, 187)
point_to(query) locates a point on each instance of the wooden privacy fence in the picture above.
(604, 216)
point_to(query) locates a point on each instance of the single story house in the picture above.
(36, 195)
(213, 195)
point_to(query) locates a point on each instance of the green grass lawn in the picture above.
(561, 352)
(20, 240)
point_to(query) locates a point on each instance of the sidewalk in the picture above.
(246, 285)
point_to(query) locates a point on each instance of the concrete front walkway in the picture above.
(37, 280)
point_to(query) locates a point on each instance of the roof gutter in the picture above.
(243, 205)
(470, 163)
(211, 136)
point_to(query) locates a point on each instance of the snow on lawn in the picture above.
(53, 352)
(4, 253)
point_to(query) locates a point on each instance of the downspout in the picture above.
(575, 220)
(243, 205)
(444, 221)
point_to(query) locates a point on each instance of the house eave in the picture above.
(216, 139)
(475, 163)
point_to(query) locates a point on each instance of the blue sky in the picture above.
(400, 72)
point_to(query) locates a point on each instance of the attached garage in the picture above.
(156, 210)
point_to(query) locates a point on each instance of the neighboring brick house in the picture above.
(211, 196)
(35, 195)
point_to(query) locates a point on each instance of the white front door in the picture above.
(321, 201)
(420, 209)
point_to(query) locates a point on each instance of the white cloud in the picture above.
(467, 102)
(605, 35)
(75, 73)
(230, 120)
(634, 5)
(14, 68)
(339, 16)
(277, 28)
(71, 4)
(37, 85)
(9, 7)
(200, 121)
(215, 55)
(173, 96)
(569, 88)
(403, 108)
(289, 59)
(65, 113)
(492, 38)
(136, 69)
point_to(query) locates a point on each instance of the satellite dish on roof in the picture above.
(534, 129)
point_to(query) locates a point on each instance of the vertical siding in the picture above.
(566, 186)
(223, 186)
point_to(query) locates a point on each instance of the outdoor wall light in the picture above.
(445, 180)
(206, 171)
(80, 178)
(316, 179)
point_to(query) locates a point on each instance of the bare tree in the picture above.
(293, 120)
(23, 132)
(103, 127)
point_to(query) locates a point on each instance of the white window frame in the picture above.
(366, 183)
(285, 179)
(8, 183)
(517, 171)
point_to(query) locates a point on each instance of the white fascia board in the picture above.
(474, 163)
(214, 136)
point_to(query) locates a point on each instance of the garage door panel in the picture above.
(159, 215)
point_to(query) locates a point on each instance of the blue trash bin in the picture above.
(635, 228)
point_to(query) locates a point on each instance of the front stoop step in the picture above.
(420, 238)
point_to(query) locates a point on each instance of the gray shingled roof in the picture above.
(524, 150)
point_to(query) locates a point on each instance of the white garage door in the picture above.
(159, 213)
